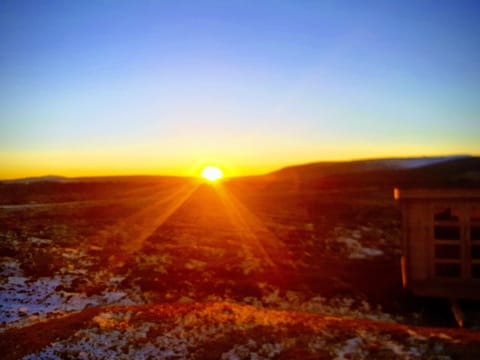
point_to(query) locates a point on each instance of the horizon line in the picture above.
(52, 175)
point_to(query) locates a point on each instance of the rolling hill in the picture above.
(415, 172)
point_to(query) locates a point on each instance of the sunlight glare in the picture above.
(212, 173)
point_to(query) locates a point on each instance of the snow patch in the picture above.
(356, 250)
(24, 300)
(351, 347)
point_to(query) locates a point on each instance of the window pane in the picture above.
(447, 251)
(444, 232)
(476, 271)
(476, 252)
(446, 214)
(447, 270)
(475, 233)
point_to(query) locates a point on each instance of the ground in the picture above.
(175, 268)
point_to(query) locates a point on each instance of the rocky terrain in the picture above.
(252, 268)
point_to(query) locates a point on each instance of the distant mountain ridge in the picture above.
(409, 163)
(458, 170)
(36, 179)
(374, 164)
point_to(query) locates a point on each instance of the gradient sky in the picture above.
(161, 87)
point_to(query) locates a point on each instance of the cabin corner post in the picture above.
(404, 258)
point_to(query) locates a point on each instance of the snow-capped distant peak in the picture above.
(409, 163)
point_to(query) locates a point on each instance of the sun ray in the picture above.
(257, 237)
(135, 229)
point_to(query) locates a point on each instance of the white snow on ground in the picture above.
(353, 243)
(123, 336)
(346, 308)
(339, 306)
(113, 343)
(351, 347)
(358, 347)
(356, 250)
(9, 267)
(422, 161)
(114, 337)
(252, 350)
(24, 300)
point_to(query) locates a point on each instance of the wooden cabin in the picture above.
(441, 242)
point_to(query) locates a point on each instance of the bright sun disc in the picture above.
(212, 173)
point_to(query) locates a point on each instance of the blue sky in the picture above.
(160, 86)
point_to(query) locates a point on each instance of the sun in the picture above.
(212, 173)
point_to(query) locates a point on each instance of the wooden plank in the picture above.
(417, 242)
(438, 194)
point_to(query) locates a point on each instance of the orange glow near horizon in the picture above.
(165, 162)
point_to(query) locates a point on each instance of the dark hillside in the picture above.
(459, 172)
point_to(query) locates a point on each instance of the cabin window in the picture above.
(446, 225)
(447, 270)
(475, 232)
(476, 271)
(447, 251)
(446, 215)
(448, 248)
(476, 252)
(475, 241)
(447, 232)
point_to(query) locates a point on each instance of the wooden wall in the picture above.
(417, 241)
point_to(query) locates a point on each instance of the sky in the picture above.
(115, 87)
